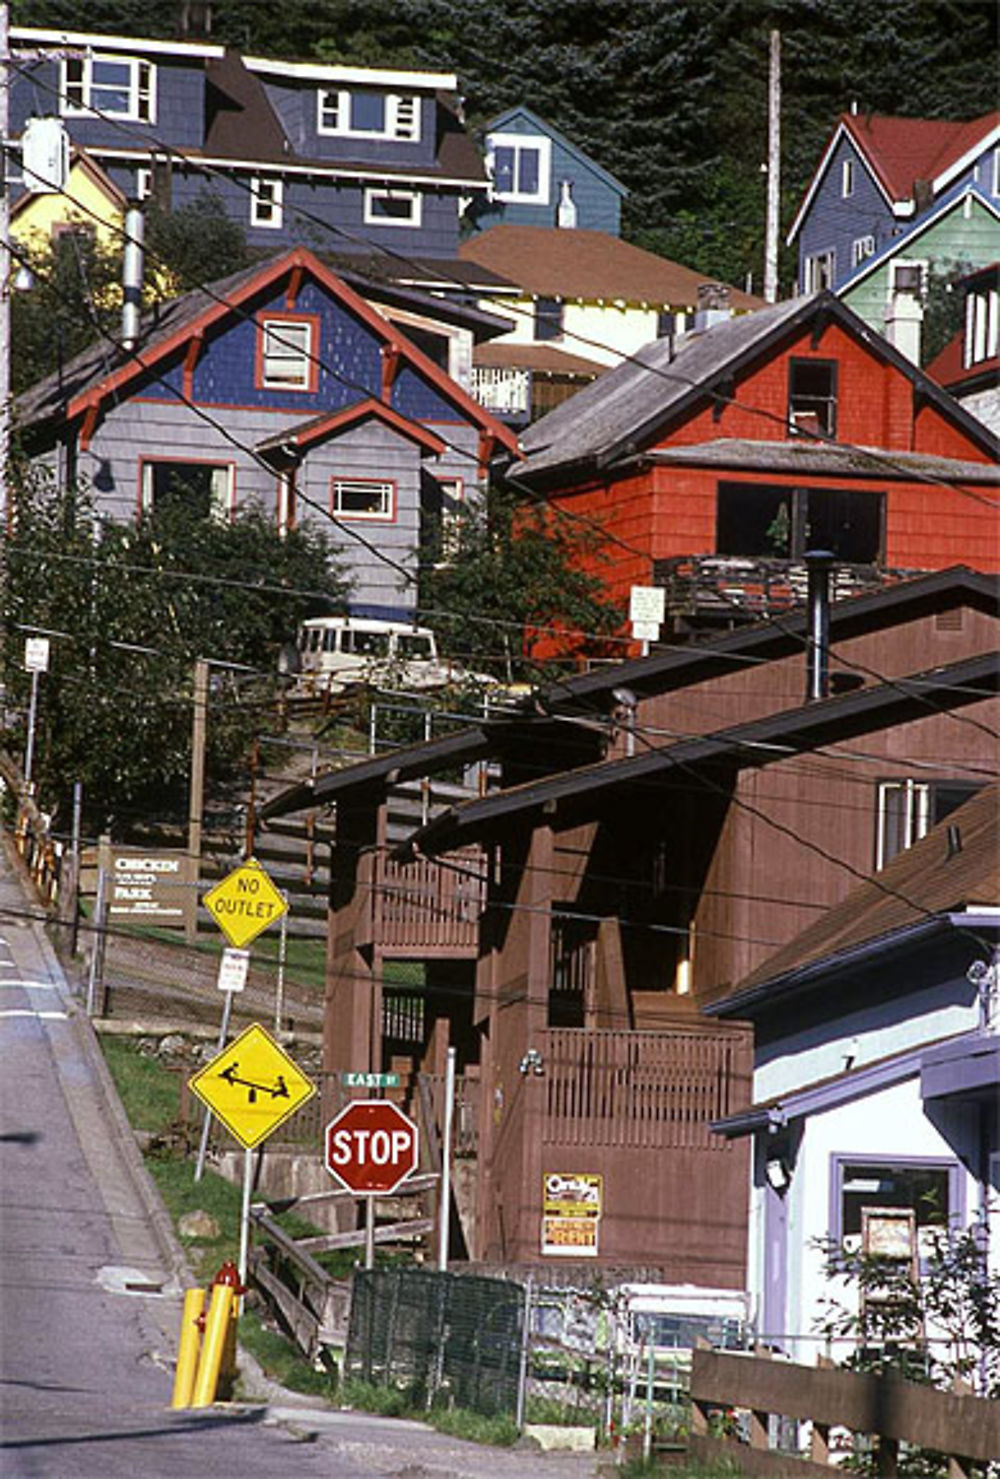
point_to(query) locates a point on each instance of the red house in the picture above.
(712, 464)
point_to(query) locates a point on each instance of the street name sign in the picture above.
(245, 903)
(252, 1086)
(371, 1146)
(369, 1080)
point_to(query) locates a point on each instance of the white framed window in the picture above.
(393, 207)
(267, 199)
(908, 275)
(908, 809)
(203, 489)
(819, 270)
(287, 357)
(847, 178)
(112, 86)
(862, 247)
(982, 322)
(520, 166)
(363, 498)
(143, 183)
(366, 114)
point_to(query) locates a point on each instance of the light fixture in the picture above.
(779, 1174)
(532, 1062)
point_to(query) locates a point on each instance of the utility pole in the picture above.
(773, 169)
(199, 724)
(5, 264)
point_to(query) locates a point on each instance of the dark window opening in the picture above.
(201, 489)
(782, 523)
(571, 967)
(924, 1190)
(812, 397)
(908, 809)
(435, 346)
(548, 318)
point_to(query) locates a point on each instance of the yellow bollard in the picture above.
(213, 1346)
(187, 1351)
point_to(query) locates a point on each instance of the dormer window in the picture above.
(520, 165)
(364, 113)
(110, 86)
(812, 397)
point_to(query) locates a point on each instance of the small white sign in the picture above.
(645, 631)
(647, 603)
(36, 655)
(233, 969)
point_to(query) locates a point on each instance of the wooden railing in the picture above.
(649, 1090)
(964, 1428)
(428, 907)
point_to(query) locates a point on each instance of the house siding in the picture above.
(296, 106)
(598, 204)
(833, 223)
(179, 116)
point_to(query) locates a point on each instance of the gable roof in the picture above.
(81, 161)
(100, 372)
(910, 897)
(592, 266)
(498, 124)
(305, 434)
(635, 404)
(760, 742)
(901, 246)
(899, 151)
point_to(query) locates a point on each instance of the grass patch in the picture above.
(149, 1091)
(282, 1361)
(458, 1422)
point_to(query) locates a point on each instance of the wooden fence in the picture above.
(428, 908)
(966, 1429)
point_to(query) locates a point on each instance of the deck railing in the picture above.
(649, 1090)
(430, 906)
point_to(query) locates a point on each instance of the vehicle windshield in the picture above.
(414, 645)
(366, 644)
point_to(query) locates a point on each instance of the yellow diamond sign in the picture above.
(252, 1086)
(245, 903)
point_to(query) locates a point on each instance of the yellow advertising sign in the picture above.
(244, 903)
(252, 1086)
(572, 1194)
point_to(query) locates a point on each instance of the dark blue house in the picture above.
(342, 158)
(877, 176)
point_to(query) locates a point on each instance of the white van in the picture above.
(338, 651)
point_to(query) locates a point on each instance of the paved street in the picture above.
(90, 1278)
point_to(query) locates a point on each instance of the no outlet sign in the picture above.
(371, 1147)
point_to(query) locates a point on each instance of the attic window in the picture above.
(393, 207)
(110, 86)
(908, 809)
(286, 354)
(362, 113)
(812, 397)
(520, 165)
(847, 178)
(548, 318)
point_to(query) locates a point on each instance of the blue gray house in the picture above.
(279, 386)
(340, 158)
(876, 177)
(539, 178)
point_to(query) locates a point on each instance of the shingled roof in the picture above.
(954, 868)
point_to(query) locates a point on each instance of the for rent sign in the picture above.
(147, 886)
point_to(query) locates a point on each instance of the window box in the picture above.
(108, 86)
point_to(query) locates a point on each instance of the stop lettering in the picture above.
(371, 1146)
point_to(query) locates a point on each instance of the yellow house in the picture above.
(90, 202)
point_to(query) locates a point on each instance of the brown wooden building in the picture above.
(659, 829)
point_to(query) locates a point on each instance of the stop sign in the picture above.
(371, 1146)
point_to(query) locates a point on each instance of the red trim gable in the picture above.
(297, 263)
(325, 427)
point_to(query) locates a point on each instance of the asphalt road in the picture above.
(90, 1283)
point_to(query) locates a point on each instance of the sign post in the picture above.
(36, 660)
(243, 905)
(371, 1146)
(252, 1086)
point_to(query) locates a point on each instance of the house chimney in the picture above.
(713, 305)
(566, 209)
(132, 275)
(904, 312)
(819, 563)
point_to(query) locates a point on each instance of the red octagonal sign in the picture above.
(371, 1147)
